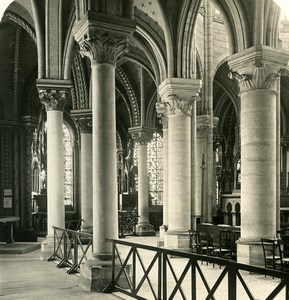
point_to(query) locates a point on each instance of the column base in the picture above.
(163, 230)
(96, 276)
(178, 240)
(47, 248)
(145, 229)
(250, 252)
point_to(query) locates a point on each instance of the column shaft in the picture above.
(258, 153)
(143, 205)
(104, 158)
(195, 211)
(179, 178)
(165, 178)
(86, 182)
(55, 171)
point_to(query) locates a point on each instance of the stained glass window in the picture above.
(155, 168)
(68, 166)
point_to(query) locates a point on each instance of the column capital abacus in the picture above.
(83, 118)
(53, 93)
(179, 94)
(141, 134)
(259, 67)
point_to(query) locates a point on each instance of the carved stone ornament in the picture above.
(53, 99)
(141, 134)
(84, 124)
(162, 114)
(177, 105)
(142, 138)
(258, 80)
(104, 47)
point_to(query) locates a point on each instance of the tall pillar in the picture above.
(53, 95)
(84, 121)
(161, 112)
(27, 232)
(203, 124)
(278, 157)
(196, 212)
(257, 70)
(142, 135)
(102, 45)
(178, 96)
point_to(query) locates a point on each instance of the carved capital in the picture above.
(162, 114)
(53, 99)
(258, 67)
(258, 80)
(83, 118)
(179, 106)
(203, 125)
(141, 134)
(178, 94)
(85, 125)
(54, 93)
(104, 47)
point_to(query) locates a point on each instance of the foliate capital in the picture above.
(258, 80)
(83, 118)
(162, 114)
(54, 93)
(104, 47)
(178, 94)
(141, 134)
(85, 125)
(179, 106)
(258, 67)
(53, 99)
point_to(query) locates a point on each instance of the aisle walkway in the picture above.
(24, 276)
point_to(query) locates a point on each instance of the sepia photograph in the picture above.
(144, 149)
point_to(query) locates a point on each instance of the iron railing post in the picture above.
(160, 276)
(193, 280)
(232, 280)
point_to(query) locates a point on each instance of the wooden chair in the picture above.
(205, 243)
(235, 235)
(272, 254)
(222, 244)
(285, 252)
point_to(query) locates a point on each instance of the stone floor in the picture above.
(24, 276)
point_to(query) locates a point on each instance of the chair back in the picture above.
(285, 242)
(272, 253)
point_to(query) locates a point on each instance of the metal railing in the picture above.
(71, 248)
(131, 272)
(127, 221)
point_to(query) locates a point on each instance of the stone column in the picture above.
(278, 157)
(161, 112)
(285, 163)
(102, 46)
(53, 95)
(142, 135)
(257, 70)
(201, 205)
(196, 212)
(28, 233)
(178, 96)
(84, 121)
